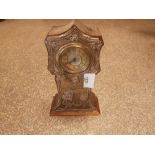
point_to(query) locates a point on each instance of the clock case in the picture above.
(72, 98)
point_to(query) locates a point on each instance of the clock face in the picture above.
(74, 59)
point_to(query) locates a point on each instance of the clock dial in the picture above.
(74, 59)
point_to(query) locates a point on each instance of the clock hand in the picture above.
(70, 61)
(74, 59)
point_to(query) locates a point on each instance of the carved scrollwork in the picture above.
(74, 37)
(68, 95)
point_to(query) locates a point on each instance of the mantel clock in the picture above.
(73, 57)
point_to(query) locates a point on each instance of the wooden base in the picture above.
(81, 112)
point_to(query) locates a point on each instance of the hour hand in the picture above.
(72, 60)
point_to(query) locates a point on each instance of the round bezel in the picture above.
(85, 63)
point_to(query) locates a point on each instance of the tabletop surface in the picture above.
(125, 86)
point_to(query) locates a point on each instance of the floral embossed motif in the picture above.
(74, 37)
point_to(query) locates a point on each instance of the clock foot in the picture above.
(92, 109)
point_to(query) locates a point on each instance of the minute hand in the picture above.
(73, 60)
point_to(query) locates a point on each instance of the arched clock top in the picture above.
(75, 33)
